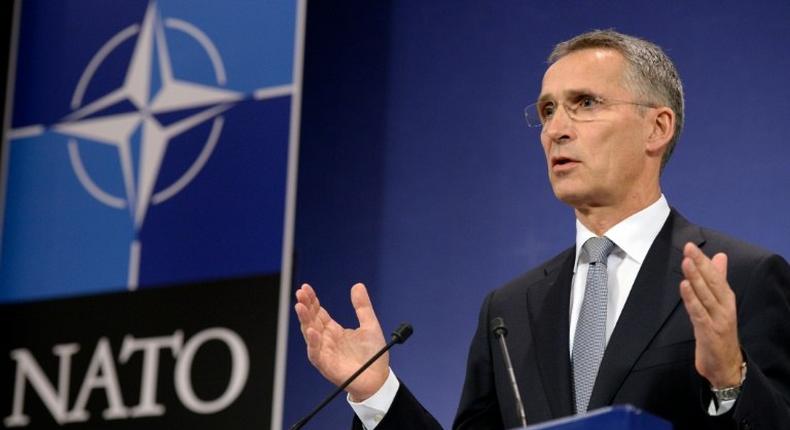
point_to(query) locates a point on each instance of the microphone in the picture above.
(398, 336)
(500, 331)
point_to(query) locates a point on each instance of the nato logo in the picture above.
(148, 145)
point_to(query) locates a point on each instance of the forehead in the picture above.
(597, 70)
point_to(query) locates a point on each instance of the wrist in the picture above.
(733, 378)
(360, 394)
(730, 392)
(731, 374)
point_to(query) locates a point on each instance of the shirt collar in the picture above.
(633, 235)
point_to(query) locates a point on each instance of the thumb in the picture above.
(363, 306)
(720, 263)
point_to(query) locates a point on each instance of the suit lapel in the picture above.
(547, 303)
(653, 297)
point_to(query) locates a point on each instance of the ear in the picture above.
(661, 128)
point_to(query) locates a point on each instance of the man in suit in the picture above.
(636, 312)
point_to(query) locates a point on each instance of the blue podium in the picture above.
(610, 418)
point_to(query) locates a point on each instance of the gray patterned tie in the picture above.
(589, 341)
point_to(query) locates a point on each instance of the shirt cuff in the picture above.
(723, 408)
(372, 410)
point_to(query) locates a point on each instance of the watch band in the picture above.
(730, 393)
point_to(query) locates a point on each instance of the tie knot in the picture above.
(598, 249)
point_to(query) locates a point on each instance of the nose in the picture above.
(560, 127)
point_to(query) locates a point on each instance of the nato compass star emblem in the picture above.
(99, 121)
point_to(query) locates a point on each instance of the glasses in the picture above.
(584, 108)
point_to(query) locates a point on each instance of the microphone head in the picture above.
(498, 327)
(402, 333)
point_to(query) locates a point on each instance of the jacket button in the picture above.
(746, 425)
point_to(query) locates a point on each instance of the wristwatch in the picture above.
(730, 393)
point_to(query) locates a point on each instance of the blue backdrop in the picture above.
(419, 177)
(58, 239)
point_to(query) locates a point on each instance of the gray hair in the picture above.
(651, 74)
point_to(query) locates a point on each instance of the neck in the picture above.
(599, 219)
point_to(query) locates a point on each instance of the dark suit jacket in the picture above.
(649, 360)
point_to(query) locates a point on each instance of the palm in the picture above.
(343, 351)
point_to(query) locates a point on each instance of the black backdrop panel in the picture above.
(193, 356)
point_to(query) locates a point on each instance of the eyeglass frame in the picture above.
(571, 111)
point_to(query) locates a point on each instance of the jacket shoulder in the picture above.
(735, 249)
(519, 285)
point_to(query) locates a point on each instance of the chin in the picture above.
(568, 190)
(579, 197)
(569, 197)
(574, 202)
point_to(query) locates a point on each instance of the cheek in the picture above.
(544, 141)
(625, 156)
(546, 144)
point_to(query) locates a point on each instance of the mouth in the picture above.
(562, 164)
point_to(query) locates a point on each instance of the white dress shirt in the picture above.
(632, 237)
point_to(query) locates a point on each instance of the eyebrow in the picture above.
(569, 94)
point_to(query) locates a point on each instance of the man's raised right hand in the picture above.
(338, 352)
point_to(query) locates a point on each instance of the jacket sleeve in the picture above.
(764, 331)
(406, 412)
(479, 407)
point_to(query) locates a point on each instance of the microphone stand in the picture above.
(500, 331)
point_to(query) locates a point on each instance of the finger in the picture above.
(714, 274)
(302, 313)
(315, 308)
(309, 309)
(320, 317)
(323, 315)
(313, 340)
(304, 302)
(714, 271)
(305, 318)
(695, 309)
(720, 263)
(699, 285)
(305, 295)
(363, 306)
(301, 299)
(313, 303)
(328, 322)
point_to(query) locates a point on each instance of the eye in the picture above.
(588, 102)
(546, 111)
